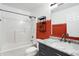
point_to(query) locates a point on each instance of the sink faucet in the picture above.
(63, 37)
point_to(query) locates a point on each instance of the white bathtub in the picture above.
(14, 50)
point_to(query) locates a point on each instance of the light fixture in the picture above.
(55, 5)
(52, 4)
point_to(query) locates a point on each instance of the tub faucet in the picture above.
(34, 43)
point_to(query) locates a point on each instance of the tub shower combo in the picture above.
(17, 34)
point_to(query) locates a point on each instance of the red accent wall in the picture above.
(44, 35)
(58, 29)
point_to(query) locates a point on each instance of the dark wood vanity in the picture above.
(45, 50)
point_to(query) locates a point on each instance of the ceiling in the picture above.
(26, 6)
(64, 6)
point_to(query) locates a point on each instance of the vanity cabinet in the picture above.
(45, 50)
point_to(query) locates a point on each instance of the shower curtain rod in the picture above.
(17, 13)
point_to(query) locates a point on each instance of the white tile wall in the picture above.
(15, 30)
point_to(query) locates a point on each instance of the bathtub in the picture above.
(14, 50)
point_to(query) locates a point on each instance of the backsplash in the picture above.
(58, 29)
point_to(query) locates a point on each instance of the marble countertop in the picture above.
(69, 48)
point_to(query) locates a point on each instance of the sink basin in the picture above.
(50, 41)
(63, 47)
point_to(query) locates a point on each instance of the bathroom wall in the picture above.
(47, 33)
(43, 11)
(68, 19)
(16, 30)
(60, 18)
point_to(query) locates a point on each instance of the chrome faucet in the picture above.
(63, 38)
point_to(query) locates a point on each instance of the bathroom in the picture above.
(39, 29)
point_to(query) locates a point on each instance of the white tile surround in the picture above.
(15, 31)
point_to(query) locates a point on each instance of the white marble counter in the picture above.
(69, 48)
